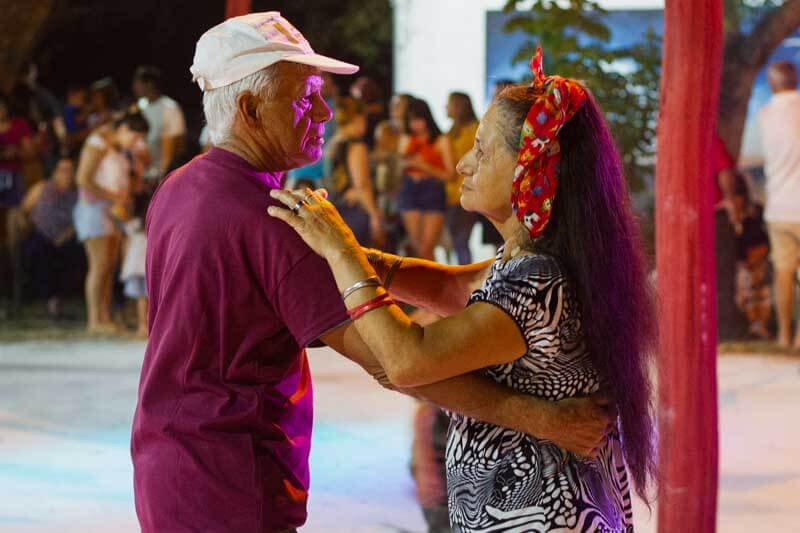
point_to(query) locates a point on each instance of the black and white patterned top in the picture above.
(500, 480)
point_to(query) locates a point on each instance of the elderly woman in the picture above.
(563, 309)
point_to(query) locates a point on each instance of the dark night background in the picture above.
(85, 40)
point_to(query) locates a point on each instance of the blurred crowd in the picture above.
(77, 173)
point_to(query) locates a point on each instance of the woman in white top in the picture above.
(104, 180)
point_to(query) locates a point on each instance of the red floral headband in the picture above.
(536, 176)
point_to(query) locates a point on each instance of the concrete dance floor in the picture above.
(66, 407)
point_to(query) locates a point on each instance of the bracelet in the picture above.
(392, 271)
(379, 301)
(372, 281)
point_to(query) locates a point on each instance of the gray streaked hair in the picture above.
(219, 105)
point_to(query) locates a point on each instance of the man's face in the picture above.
(138, 88)
(291, 125)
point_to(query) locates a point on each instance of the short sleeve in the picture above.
(174, 123)
(530, 291)
(308, 300)
(96, 141)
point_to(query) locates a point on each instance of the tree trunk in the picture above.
(21, 26)
(235, 8)
(744, 57)
(687, 404)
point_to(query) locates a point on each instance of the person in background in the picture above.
(397, 111)
(167, 134)
(50, 247)
(349, 184)
(76, 117)
(501, 85)
(428, 164)
(462, 136)
(104, 101)
(104, 181)
(16, 146)
(44, 113)
(133, 264)
(385, 167)
(313, 174)
(779, 122)
(753, 273)
(368, 92)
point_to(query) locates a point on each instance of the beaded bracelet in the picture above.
(370, 305)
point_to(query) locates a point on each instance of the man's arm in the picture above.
(577, 425)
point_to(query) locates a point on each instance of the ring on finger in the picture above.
(299, 205)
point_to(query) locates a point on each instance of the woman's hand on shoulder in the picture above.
(315, 220)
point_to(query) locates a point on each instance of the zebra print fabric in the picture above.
(503, 481)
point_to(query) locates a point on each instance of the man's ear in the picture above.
(247, 107)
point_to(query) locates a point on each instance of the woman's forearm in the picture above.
(442, 289)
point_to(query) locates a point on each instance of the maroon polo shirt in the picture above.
(222, 429)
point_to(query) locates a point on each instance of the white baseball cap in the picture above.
(243, 45)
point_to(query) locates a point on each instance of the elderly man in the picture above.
(779, 122)
(223, 425)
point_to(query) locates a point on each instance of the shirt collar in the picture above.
(272, 180)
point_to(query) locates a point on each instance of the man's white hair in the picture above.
(219, 105)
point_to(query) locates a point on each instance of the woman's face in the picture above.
(64, 174)
(126, 137)
(398, 108)
(452, 108)
(488, 171)
(417, 125)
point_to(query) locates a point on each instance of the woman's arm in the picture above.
(32, 198)
(479, 336)
(358, 165)
(445, 148)
(476, 337)
(442, 289)
(578, 425)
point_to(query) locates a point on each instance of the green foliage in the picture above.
(352, 30)
(628, 93)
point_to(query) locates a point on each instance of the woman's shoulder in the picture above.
(531, 266)
(98, 139)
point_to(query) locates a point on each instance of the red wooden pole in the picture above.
(687, 408)
(235, 8)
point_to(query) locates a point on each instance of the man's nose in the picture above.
(320, 112)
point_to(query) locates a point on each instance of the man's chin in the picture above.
(307, 157)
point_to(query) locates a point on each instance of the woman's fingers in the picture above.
(285, 215)
(285, 197)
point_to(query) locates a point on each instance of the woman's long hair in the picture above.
(594, 234)
(466, 113)
(418, 108)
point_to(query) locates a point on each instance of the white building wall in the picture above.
(440, 46)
